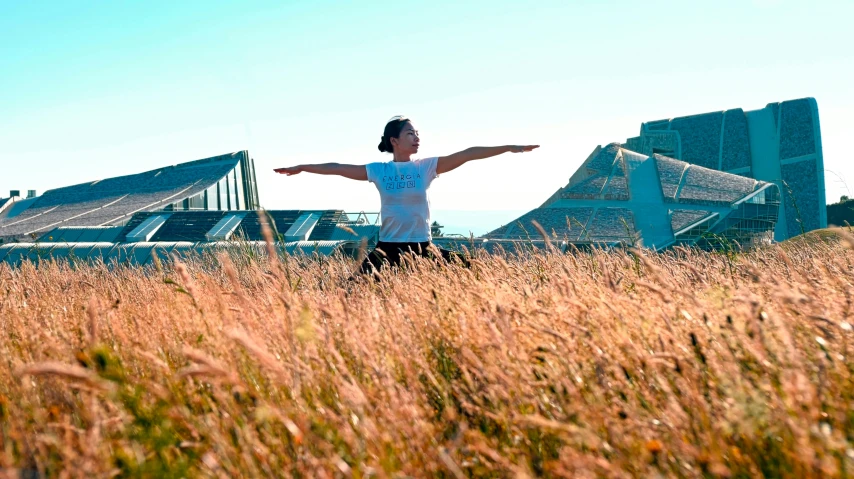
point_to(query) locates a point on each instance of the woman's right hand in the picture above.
(523, 148)
(290, 171)
(354, 172)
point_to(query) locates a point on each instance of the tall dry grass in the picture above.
(684, 364)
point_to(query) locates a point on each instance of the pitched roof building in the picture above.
(621, 196)
(225, 182)
(696, 179)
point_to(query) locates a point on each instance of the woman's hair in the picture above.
(392, 130)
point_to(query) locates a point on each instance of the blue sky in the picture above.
(109, 88)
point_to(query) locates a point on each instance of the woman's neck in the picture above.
(402, 158)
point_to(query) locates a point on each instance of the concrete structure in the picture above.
(623, 197)
(780, 143)
(224, 182)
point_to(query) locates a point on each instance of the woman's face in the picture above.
(407, 142)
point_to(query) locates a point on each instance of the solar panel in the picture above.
(327, 224)
(145, 231)
(188, 226)
(225, 227)
(302, 227)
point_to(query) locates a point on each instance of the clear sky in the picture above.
(97, 89)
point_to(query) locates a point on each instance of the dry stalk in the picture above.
(63, 371)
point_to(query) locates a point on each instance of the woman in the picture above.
(403, 184)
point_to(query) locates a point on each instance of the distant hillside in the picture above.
(839, 214)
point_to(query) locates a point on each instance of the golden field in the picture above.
(617, 364)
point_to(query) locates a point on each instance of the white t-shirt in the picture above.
(405, 208)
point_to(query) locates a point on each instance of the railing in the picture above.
(363, 218)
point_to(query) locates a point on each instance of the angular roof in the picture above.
(780, 143)
(561, 223)
(618, 195)
(113, 200)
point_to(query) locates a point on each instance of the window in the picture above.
(222, 186)
(196, 202)
(238, 172)
(232, 191)
(211, 198)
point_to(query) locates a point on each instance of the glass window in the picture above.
(196, 202)
(758, 199)
(250, 180)
(222, 186)
(211, 198)
(238, 172)
(232, 191)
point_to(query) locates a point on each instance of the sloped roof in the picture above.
(108, 201)
(605, 176)
(560, 223)
(618, 195)
(681, 182)
(612, 224)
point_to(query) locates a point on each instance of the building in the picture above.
(780, 143)
(620, 196)
(701, 179)
(225, 182)
(185, 233)
(201, 206)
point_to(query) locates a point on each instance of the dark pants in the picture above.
(390, 254)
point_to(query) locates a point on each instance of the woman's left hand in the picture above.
(290, 171)
(522, 148)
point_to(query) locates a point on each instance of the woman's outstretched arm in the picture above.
(354, 172)
(450, 162)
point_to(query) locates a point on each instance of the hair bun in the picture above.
(392, 130)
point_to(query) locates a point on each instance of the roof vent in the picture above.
(145, 231)
(225, 227)
(302, 227)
